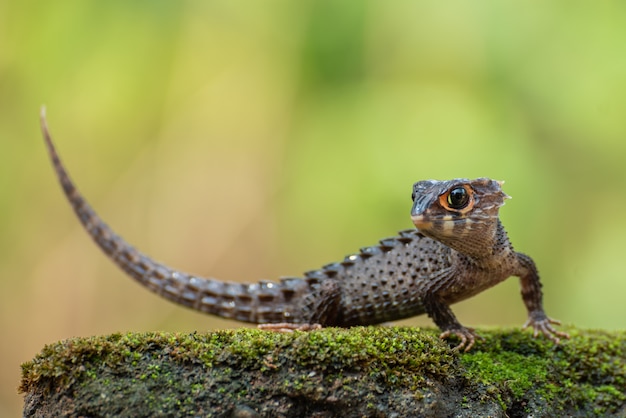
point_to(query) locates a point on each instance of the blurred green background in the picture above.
(248, 140)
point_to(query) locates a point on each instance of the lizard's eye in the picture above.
(458, 198)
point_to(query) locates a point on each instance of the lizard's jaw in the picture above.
(421, 222)
(441, 227)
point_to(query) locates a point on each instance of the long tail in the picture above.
(263, 302)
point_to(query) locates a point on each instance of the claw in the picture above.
(289, 327)
(466, 335)
(541, 323)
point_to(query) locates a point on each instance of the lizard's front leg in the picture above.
(533, 299)
(443, 316)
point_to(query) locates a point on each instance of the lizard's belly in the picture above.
(381, 308)
(468, 285)
(377, 313)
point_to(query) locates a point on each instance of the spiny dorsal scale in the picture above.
(349, 260)
(404, 239)
(314, 276)
(387, 244)
(331, 269)
(289, 282)
(367, 252)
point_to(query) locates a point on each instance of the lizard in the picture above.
(458, 249)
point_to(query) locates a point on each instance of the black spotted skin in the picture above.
(383, 283)
(459, 249)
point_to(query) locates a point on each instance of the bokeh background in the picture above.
(248, 140)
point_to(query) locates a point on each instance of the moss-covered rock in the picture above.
(362, 371)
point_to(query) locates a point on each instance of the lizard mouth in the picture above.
(443, 225)
(421, 222)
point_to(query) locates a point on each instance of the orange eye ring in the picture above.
(458, 199)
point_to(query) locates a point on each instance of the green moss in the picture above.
(172, 372)
(590, 368)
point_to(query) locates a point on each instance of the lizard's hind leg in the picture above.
(320, 308)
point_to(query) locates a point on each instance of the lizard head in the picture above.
(461, 213)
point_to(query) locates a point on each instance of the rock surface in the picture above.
(357, 372)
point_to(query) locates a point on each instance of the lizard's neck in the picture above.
(484, 244)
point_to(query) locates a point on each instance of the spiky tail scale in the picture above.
(262, 302)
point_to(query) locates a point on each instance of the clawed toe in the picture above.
(543, 325)
(288, 327)
(466, 335)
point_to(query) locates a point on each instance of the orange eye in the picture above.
(458, 199)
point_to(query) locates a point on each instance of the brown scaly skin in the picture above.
(459, 249)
